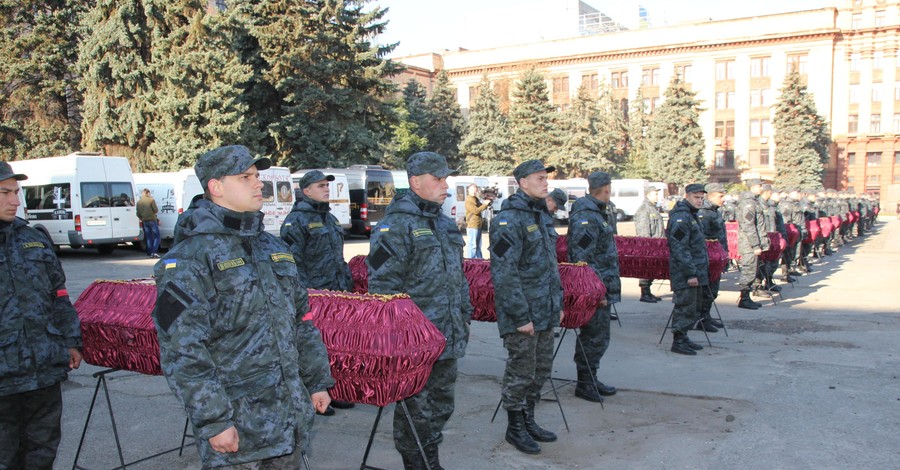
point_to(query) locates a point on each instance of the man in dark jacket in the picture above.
(237, 345)
(752, 240)
(40, 337)
(528, 300)
(417, 250)
(688, 267)
(648, 222)
(713, 227)
(591, 240)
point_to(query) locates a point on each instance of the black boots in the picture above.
(431, 452)
(585, 388)
(746, 302)
(413, 460)
(705, 325)
(646, 296)
(536, 432)
(682, 345)
(517, 435)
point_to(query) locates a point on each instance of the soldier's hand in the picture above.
(527, 329)
(562, 315)
(225, 441)
(604, 302)
(757, 251)
(693, 282)
(320, 401)
(74, 358)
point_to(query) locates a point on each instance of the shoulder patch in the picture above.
(384, 229)
(170, 263)
(584, 222)
(232, 263)
(282, 257)
(502, 222)
(33, 245)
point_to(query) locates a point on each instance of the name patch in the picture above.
(422, 232)
(315, 225)
(232, 263)
(33, 245)
(532, 228)
(280, 257)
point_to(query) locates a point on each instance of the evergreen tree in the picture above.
(675, 139)
(532, 120)
(486, 148)
(445, 122)
(636, 164)
(582, 150)
(801, 137)
(612, 131)
(40, 104)
(408, 134)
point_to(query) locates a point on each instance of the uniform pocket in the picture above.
(262, 409)
(9, 353)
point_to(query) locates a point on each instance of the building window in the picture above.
(875, 124)
(896, 158)
(798, 61)
(725, 70)
(474, 92)
(897, 93)
(879, 18)
(760, 128)
(647, 105)
(873, 159)
(650, 77)
(724, 129)
(872, 180)
(725, 159)
(851, 159)
(590, 82)
(755, 98)
(764, 157)
(854, 62)
(854, 94)
(720, 100)
(684, 73)
(876, 60)
(853, 124)
(619, 79)
(876, 95)
(856, 21)
(767, 97)
(560, 85)
(759, 67)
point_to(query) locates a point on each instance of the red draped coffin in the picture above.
(826, 226)
(360, 274)
(777, 245)
(813, 231)
(793, 234)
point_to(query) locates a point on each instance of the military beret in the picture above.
(314, 177)
(6, 172)
(598, 179)
(227, 161)
(559, 197)
(715, 188)
(530, 167)
(431, 163)
(694, 188)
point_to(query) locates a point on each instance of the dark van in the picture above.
(371, 190)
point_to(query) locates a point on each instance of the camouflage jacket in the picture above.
(235, 343)
(777, 218)
(612, 216)
(729, 211)
(712, 224)
(184, 218)
(648, 221)
(687, 247)
(751, 224)
(790, 211)
(527, 287)
(37, 321)
(316, 239)
(591, 240)
(417, 250)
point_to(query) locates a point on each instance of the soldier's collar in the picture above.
(426, 207)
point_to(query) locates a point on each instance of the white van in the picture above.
(338, 195)
(173, 192)
(628, 195)
(278, 197)
(81, 200)
(20, 211)
(455, 204)
(401, 181)
(505, 186)
(574, 188)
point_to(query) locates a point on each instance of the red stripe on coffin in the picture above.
(813, 231)
(117, 329)
(792, 234)
(381, 348)
(731, 230)
(360, 274)
(826, 226)
(777, 244)
(854, 217)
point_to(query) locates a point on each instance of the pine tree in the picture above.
(445, 122)
(408, 135)
(40, 103)
(486, 148)
(612, 130)
(801, 137)
(532, 120)
(675, 139)
(582, 150)
(636, 164)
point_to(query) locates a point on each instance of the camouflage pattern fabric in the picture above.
(686, 311)
(647, 221)
(316, 239)
(591, 240)
(713, 226)
(751, 236)
(594, 341)
(235, 344)
(30, 428)
(430, 409)
(528, 367)
(688, 257)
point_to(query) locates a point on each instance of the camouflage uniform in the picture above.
(527, 289)
(751, 236)
(417, 250)
(792, 215)
(688, 259)
(183, 219)
(713, 227)
(612, 216)
(37, 327)
(648, 223)
(591, 240)
(775, 224)
(316, 239)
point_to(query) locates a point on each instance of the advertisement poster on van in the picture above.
(278, 197)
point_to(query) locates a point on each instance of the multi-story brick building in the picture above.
(848, 56)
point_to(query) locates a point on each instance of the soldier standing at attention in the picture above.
(713, 226)
(556, 200)
(236, 343)
(316, 239)
(591, 240)
(528, 299)
(418, 250)
(648, 223)
(41, 334)
(752, 240)
(688, 267)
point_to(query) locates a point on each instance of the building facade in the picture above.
(849, 57)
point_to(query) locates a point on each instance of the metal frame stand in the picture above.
(402, 404)
(101, 379)
(669, 322)
(616, 311)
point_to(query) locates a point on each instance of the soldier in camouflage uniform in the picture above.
(237, 344)
(556, 200)
(418, 250)
(648, 223)
(729, 208)
(781, 228)
(713, 227)
(688, 267)
(752, 240)
(528, 299)
(40, 337)
(591, 240)
(790, 212)
(184, 218)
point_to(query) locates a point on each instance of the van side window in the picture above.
(628, 192)
(94, 195)
(47, 196)
(460, 193)
(121, 195)
(380, 192)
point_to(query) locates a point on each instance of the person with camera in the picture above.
(474, 221)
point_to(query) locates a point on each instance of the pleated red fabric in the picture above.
(792, 234)
(718, 259)
(582, 293)
(826, 226)
(360, 274)
(777, 245)
(731, 229)
(813, 231)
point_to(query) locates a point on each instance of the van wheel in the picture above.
(75, 247)
(620, 216)
(106, 249)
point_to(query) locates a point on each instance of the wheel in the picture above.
(106, 249)
(620, 216)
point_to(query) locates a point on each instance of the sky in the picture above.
(422, 26)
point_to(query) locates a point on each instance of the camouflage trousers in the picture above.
(687, 307)
(748, 265)
(30, 428)
(593, 341)
(285, 462)
(527, 368)
(430, 409)
(708, 294)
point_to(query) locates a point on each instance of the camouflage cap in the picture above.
(6, 172)
(559, 197)
(530, 167)
(694, 188)
(314, 177)
(598, 179)
(428, 163)
(652, 189)
(227, 161)
(715, 188)
(753, 182)
(766, 187)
